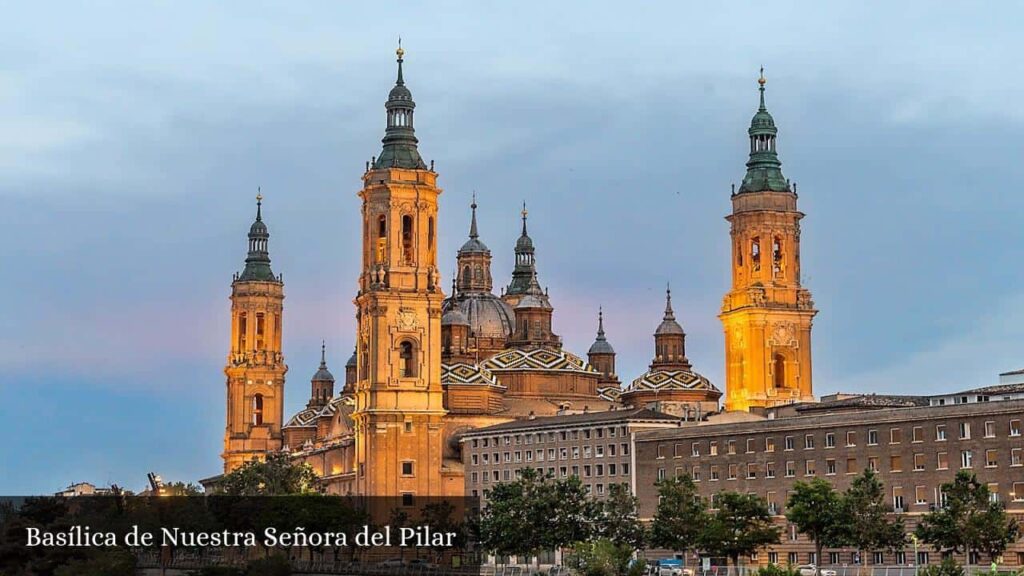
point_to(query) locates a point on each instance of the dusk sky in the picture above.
(133, 137)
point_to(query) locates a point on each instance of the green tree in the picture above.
(535, 513)
(278, 475)
(818, 512)
(618, 520)
(739, 526)
(870, 523)
(680, 516)
(969, 521)
(604, 557)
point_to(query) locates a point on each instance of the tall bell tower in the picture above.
(399, 399)
(767, 314)
(255, 369)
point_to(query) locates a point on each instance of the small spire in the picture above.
(472, 227)
(454, 285)
(600, 323)
(669, 314)
(323, 354)
(524, 213)
(400, 53)
(259, 204)
(761, 81)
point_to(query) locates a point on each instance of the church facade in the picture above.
(430, 366)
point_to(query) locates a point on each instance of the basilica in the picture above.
(430, 366)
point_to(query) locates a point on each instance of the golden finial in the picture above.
(524, 211)
(400, 52)
(259, 194)
(761, 80)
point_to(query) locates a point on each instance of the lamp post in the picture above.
(913, 538)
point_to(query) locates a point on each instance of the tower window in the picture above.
(382, 237)
(466, 277)
(364, 362)
(243, 326)
(407, 469)
(260, 325)
(407, 357)
(777, 255)
(407, 254)
(755, 253)
(780, 371)
(430, 238)
(257, 410)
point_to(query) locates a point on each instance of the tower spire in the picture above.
(761, 81)
(600, 323)
(472, 227)
(323, 354)
(524, 274)
(669, 314)
(400, 143)
(524, 213)
(764, 170)
(257, 262)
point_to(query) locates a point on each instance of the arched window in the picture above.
(382, 238)
(777, 255)
(755, 253)
(407, 253)
(260, 328)
(257, 410)
(364, 362)
(479, 274)
(430, 239)
(407, 357)
(243, 327)
(780, 371)
(467, 277)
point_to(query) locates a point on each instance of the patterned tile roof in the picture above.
(672, 380)
(586, 418)
(610, 393)
(537, 359)
(304, 419)
(462, 373)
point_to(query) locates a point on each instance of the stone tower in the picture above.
(255, 369)
(602, 356)
(322, 384)
(399, 401)
(767, 314)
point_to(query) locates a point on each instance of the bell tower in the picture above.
(767, 314)
(399, 401)
(255, 369)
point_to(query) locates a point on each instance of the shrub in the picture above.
(775, 570)
(948, 567)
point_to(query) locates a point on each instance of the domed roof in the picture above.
(323, 374)
(658, 380)
(400, 92)
(258, 228)
(533, 301)
(474, 246)
(537, 359)
(351, 360)
(454, 317)
(488, 316)
(462, 373)
(668, 323)
(601, 344)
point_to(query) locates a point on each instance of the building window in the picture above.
(990, 429)
(873, 463)
(382, 238)
(790, 443)
(750, 445)
(695, 473)
(242, 329)
(661, 474)
(940, 433)
(851, 466)
(661, 451)
(878, 558)
(922, 558)
(407, 251)
(897, 498)
(769, 444)
(751, 471)
(872, 437)
(695, 449)
(408, 499)
(732, 446)
(1014, 427)
(408, 427)
(918, 434)
(920, 495)
(790, 469)
(677, 451)
(406, 354)
(830, 467)
(809, 442)
(1015, 457)
(918, 462)
(780, 371)
(769, 470)
(942, 461)
(833, 557)
(966, 459)
(851, 438)
(407, 468)
(901, 557)
(965, 430)
(257, 410)
(895, 463)
(714, 473)
(792, 558)
(809, 468)
(773, 558)
(733, 469)
(991, 460)
(993, 493)
(895, 435)
(830, 440)
(1017, 492)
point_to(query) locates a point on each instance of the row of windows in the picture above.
(563, 453)
(753, 470)
(541, 437)
(899, 558)
(588, 471)
(809, 441)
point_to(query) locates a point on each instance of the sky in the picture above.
(133, 137)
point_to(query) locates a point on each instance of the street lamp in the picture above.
(913, 538)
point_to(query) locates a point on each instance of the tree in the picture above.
(680, 516)
(739, 526)
(605, 557)
(818, 511)
(618, 520)
(278, 475)
(868, 516)
(534, 513)
(969, 521)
